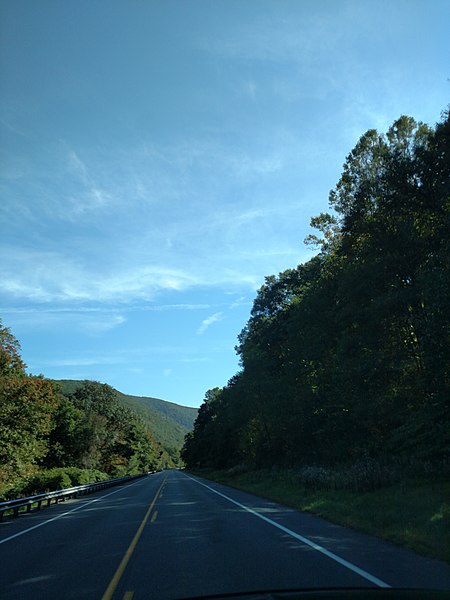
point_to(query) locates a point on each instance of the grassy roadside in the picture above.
(413, 513)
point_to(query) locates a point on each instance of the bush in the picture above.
(47, 481)
(361, 476)
(82, 476)
(54, 479)
(238, 470)
(364, 475)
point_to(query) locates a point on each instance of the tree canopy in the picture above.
(348, 355)
(40, 428)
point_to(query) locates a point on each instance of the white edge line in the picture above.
(300, 538)
(16, 535)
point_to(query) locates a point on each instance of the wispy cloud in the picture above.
(86, 321)
(90, 196)
(166, 307)
(205, 154)
(219, 316)
(278, 39)
(32, 312)
(80, 362)
(106, 325)
(201, 359)
(135, 359)
(136, 370)
(133, 274)
(77, 165)
(49, 276)
(184, 211)
(242, 301)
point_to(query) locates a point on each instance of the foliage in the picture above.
(53, 479)
(168, 422)
(47, 438)
(346, 358)
(94, 431)
(11, 364)
(26, 407)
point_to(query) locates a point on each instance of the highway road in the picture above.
(171, 535)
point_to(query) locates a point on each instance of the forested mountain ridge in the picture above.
(182, 415)
(168, 422)
(346, 358)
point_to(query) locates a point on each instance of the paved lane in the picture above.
(173, 536)
(72, 550)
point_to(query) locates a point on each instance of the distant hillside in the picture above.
(168, 422)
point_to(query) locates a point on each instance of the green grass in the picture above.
(413, 513)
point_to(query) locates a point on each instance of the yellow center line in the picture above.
(128, 596)
(126, 557)
(154, 515)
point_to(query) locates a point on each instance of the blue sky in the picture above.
(159, 158)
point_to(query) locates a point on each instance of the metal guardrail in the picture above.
(35, 502)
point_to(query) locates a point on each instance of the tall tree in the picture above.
(349, 354)
(26, 407)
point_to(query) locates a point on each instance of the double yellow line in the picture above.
(126, 557)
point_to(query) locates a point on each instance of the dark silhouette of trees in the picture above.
(348, 355)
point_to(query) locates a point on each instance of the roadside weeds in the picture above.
(412, 513)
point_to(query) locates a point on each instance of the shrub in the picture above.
(361, 476)
(53, 479)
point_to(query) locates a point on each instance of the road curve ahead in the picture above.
(171, 536)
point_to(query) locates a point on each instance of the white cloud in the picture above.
(242, 301)
(87, 321)
(220, 252)
(80, 362)
(49, 276)
(74, 310)
(219, 316)
(77, 165)
(201, 154)
(300, 38)
(195, 360)
(169, 307)
(90, 196)
(100, 326)
(136, 370)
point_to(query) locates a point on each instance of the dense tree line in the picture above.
(348, 355)
(41, 429)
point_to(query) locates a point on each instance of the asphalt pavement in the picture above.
(173, 536)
